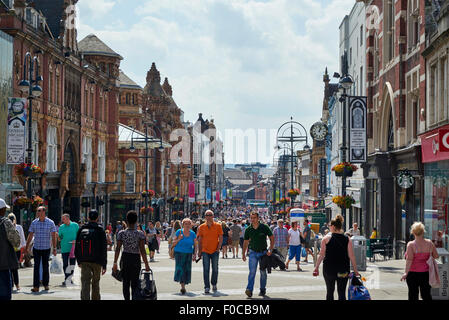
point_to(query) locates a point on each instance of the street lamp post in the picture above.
(32, 88)
(146, 139)
(297, 133)
(345, 84)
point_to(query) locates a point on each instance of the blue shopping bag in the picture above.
(303, 252)
(356, 289)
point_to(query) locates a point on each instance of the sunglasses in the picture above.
(209, 215)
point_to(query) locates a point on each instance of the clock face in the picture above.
(318, 131)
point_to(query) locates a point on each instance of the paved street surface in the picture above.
(382, 279)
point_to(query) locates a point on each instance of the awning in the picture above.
(11, 187)
(126, 134)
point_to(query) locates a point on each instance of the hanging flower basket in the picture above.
(146, 210)
(284, 200)
(344, 169)
(343, 201)
(27, 170)
(37, 201)
(148, 193)
(293, 192)
(22, 201)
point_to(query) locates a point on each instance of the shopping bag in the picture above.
(56, 265)
(303, 252)
(356, 289)
(147, 287)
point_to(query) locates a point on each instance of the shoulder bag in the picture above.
(434, 277)
(172, 249)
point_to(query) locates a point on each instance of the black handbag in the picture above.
(117, 275)
(147, 286)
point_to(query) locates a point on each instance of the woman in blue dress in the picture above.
(186, 246)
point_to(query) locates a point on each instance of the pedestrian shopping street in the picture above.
(383, 282)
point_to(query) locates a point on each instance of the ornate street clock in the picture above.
(319, 131)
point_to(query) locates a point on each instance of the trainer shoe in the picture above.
(249, 293)
(206, 290)
(214, 288)
(262, 292)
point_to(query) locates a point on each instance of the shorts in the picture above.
(307, 245)
(235, 243)
(294, 252)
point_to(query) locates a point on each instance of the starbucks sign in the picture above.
(405, 179)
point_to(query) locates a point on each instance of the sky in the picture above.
(248, 64)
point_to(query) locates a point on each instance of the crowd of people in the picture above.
(255, 237)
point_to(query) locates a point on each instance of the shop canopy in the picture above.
(126, 135)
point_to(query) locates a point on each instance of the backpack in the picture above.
(85, 243)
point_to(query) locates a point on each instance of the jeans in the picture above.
(5, 285)
(207, 260)
(416, 282)
(68, 267)
(254, 258)
(90, 276)
(41, 256)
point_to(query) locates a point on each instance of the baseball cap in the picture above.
(3, 204)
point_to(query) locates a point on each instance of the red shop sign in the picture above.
(435, 145)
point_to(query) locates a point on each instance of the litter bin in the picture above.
(441, 293)
(359, 247)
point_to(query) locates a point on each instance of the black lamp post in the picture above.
(146, 139)
(345, 84)
(31, 87)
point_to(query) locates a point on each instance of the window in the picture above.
(433, 95)
(376, 56)
(87, 157)
(130, 176)
(91, 104)
(50, 86)
(57, 91)
(128, 98)
(101, 161)
(361, 35)
(390, 133)
(52, 149)
(133, 99)
(412, 24)
(361, 81)
(35, 144)
(86, 102)
(442, 99)
(388, 31)
(119, 176)
(412, 105)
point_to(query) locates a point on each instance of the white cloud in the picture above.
(245, 63)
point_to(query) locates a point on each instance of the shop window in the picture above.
(130, 176)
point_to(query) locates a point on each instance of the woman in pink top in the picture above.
(416, 268)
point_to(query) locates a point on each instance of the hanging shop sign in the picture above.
(17, 117)
(358, 147)
(405, 179)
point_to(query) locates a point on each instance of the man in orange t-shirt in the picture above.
(210, 238)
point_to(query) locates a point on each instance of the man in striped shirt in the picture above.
(281, 238)
(43, 230)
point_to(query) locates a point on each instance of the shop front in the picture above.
(435, 156)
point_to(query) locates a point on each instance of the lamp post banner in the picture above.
(17, 117)
(191, 191)
(358, 147)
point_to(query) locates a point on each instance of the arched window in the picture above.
(130, 176)
(52, 149)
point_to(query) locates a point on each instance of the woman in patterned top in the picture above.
(133, 242)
